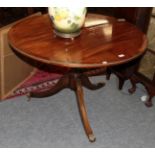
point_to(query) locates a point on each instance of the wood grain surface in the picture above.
(109, 44)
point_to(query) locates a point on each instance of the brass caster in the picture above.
(91, 138)
(28, 97)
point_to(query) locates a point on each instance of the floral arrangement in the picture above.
(67, 20)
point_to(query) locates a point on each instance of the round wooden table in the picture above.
(113, 43)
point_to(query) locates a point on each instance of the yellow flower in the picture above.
(62, 15)
(58, 17)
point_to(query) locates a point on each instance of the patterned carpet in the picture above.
(44, 79)
(40, 81)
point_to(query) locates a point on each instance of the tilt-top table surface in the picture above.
(113, 43)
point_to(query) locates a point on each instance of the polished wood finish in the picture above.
(97, 47)
(83, 111)
(140, 17)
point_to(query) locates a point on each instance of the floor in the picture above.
(117, 118)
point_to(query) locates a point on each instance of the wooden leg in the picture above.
(133, 88)
(86, 82)
(121, 83)
(148, 103)
(108, 74)
(83, 112)
(151, 94)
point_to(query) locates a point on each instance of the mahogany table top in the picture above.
(104, 45)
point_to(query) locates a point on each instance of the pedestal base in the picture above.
(74, 80)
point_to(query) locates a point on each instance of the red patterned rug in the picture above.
(38, 82)
(44, 79)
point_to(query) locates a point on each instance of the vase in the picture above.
(67, 21)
